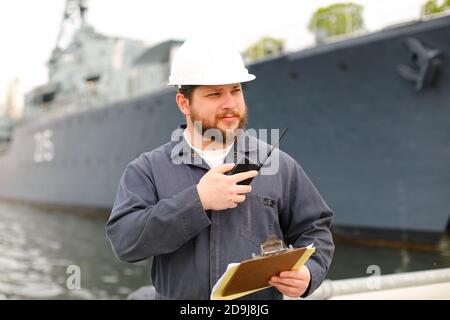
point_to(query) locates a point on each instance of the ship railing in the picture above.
(67, 105)
(429, 284)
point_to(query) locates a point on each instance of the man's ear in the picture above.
(183, 104)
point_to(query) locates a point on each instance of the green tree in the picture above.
(264, 48)
(432, 7)
(337, 19)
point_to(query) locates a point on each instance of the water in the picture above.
(37, 249)
(359, 261)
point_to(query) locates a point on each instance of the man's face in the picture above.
(219, 107)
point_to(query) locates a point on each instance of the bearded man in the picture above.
(180, 205)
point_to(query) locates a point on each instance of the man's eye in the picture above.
(214, 94)
(237, 90)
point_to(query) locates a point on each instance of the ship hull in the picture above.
(377, 149)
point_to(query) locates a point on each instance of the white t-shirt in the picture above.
(213, 158)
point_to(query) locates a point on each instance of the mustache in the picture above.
(226, 114)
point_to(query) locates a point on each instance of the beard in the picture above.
(213, 126)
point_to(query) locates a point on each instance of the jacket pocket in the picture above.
(259, 218)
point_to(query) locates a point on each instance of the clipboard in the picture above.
(254, 274)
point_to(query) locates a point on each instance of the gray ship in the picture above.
(368, 119)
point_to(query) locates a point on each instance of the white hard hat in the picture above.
(207, 62)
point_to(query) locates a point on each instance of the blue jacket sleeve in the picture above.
(306, 219)
(141, 225)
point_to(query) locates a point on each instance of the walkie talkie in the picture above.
(246, 166)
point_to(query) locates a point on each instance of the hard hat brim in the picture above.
(173, 81)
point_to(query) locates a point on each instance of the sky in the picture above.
(29, 28)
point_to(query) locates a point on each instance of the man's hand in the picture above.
(292, 283)
(218, 191)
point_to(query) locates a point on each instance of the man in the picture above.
(179, 204)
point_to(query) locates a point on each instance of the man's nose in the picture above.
(230, 101)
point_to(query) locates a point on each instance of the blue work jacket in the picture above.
(158, 213)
